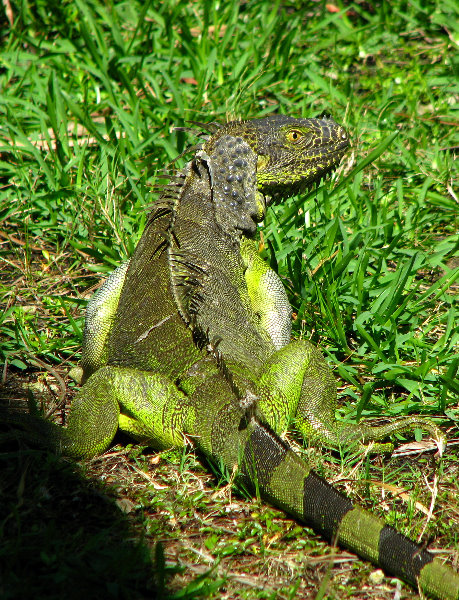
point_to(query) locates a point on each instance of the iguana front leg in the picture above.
(100, 314)
(267, 295)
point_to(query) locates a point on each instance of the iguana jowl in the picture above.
(191, 339)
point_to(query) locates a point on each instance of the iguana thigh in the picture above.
(145, 405)
(297, 389)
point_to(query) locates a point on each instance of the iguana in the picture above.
(190, 341)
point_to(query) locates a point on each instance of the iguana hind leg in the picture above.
(298, 386)
(145, 405)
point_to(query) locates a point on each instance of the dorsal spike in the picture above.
(211, 127)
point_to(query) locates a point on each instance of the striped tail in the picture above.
(286, 481)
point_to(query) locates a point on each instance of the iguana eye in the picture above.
(294, 135)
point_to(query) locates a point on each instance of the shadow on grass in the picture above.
(61, 536)
(62, 532)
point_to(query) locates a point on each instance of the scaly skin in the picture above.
(191, 340)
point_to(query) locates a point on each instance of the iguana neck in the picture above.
(207, 276)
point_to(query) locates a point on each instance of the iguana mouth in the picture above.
(273, 192)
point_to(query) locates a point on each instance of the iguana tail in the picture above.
(283, 478)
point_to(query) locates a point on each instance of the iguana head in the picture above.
(253, 163)
(292, 153)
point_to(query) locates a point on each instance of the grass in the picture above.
(90, 95)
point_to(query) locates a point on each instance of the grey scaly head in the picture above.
(292, 153)
(254, 163)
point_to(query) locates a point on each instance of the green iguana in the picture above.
(190, 340)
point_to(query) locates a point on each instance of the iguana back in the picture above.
(190, 290)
